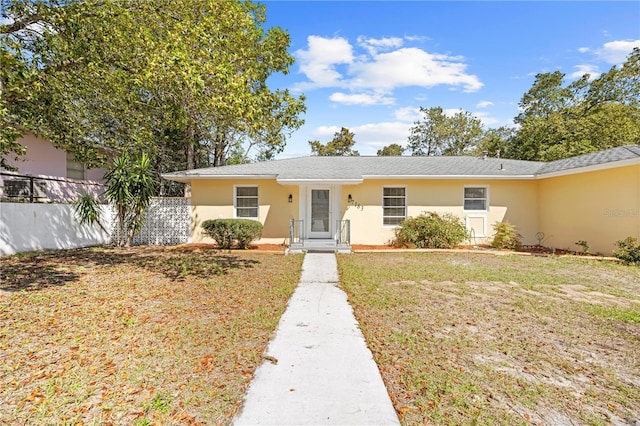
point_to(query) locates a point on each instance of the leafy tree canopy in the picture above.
(182, 79)
(391, 150)
(341, 145)
(439, 134)
(559, 121)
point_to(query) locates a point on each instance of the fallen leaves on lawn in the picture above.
(144, 335)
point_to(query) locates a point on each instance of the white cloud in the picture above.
(326, 133)
(450, 112)
(616, 52)
(410, 114)
(361, 99)
(584, 49)
(413, 67)
(486, 119)
(583, 69)
(373, 45)
(417, 38)
(380, 72)
(319, 61)
(373, 136)
(484, 104)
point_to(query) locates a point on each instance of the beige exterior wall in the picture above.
(213, 199)
(600, 207)
(515, 201)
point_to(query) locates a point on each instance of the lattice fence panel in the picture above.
(167, 222)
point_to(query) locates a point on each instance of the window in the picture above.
(475, 198)
(246, 200)
(75, 169)
(394, 205)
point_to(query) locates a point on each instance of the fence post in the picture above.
(30, 188)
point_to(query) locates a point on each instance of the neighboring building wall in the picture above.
(213, 199)
(28, 227)
(509, 200)
(600, 207)
(43, 159)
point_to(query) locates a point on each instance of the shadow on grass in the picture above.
(39, 270)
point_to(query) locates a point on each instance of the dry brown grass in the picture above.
(137, 336)
(480, 339)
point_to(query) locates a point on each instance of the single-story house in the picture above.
(593, 197)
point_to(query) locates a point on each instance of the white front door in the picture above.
(319, 213)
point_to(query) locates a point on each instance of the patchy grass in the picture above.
(137, 336)
(483, 339)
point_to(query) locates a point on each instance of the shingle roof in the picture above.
(611, 155)
(358, 168)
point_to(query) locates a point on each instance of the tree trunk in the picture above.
(190, 154)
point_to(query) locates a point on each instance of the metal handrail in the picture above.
(296, 234)
(343, 232)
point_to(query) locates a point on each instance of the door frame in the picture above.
(305, 209)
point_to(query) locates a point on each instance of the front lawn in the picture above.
(482, 339)
(137, 336)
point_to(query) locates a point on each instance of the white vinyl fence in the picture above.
(38, 226)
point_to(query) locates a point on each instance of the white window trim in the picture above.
(235, 201)
(406, 208)
(486, 198)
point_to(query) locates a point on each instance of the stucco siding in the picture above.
(41, 158)
(599, 207)
(512, 200)
(213, 199)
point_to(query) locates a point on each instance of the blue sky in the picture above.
(370, 65)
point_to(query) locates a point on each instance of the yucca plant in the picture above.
(130, 186)
(87, 209)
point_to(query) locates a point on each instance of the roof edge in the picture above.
(591, 168)
(354, 181)
(440, 177)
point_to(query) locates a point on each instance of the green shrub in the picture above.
(227, 232)
(628, 251)
(506, 236)
(431, 230)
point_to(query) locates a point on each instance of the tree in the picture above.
(391, 150)
(497, 142)
(181, 79)
(560, 121)
(439, 134)
(130, 186)
(14, 75)
(340, 146)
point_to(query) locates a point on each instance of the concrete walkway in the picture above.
(319, 370)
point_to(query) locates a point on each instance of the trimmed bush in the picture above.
(227, 232)
(431, 230)
(628, 251)
(506, 236)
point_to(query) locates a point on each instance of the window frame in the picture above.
(485, 198)
(235, 202)
(405, 206)
(75, 168)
